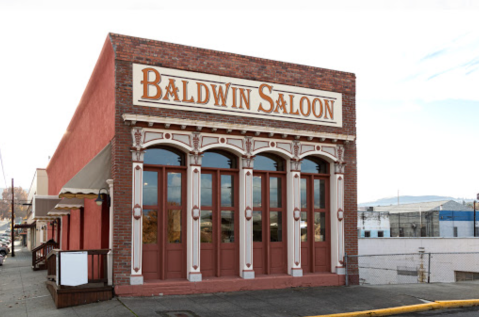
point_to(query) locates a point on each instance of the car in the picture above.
(3, 252)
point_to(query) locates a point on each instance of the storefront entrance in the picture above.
(269, 215)
(315, 216)
(164, 221)
(219, 214)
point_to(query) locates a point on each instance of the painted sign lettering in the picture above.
(190, 91)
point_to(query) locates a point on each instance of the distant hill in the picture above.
(410, 200)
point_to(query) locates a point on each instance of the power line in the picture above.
(3, 170)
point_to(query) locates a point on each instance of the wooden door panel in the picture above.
(258, 260)
(305, 258)
(150, 263)
(207, 262)
(322, 259)
(277, 262)
(228, 261)
(174, 260)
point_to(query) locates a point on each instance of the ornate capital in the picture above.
(195, 159)
(339, 167)
(295, 165)
(138, 155)
(248, 161)
(248, 145)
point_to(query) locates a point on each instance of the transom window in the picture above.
(314, 165)
(164, 156)
(219, 159)
(268, 162)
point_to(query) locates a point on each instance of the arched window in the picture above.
(164, 156)
(314, 165)
(268, 162)
(219, 159)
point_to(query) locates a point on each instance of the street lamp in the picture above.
(99, 200)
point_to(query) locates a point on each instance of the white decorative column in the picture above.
(294, 217)
(109, 258)
(193, 214)
(246, 214)
(136, 276)
(339, 211)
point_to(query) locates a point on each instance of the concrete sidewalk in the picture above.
(23, 293)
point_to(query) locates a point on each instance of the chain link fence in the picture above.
(411, 268)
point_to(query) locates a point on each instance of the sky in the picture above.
(416, 65)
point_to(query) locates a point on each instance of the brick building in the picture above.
(231, 171)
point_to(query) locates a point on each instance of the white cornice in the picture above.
(133, 118)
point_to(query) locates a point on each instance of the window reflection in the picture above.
(150, 227)
(206, 226)
(304, 226)
(227, 191)
(174, 188)
(150, 188)
(275, 226)
(319, 194)
(304, 201)
(164, 156)
(314, 165)
(174, 226)
(227, 226)
(206, 190)
(218, 159)
(257, 227)
(257, 197)
(268, 162)
(275, 192)
(319, 226)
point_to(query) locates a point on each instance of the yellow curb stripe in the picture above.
(458, 303)
(408, 309)
(388, 311)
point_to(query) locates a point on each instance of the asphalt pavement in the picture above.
(23, 293)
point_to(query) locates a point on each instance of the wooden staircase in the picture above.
(39, 255)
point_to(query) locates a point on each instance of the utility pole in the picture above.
(13, 219)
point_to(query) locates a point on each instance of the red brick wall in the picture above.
(91, 127)
(130, 50)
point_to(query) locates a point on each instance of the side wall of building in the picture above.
(92, 125)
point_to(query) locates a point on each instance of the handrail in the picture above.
(40, 253)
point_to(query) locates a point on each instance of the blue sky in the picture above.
(416, 62)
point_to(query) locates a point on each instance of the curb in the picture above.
(408, 309)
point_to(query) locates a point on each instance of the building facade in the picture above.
(214, 165)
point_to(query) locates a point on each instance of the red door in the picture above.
(164, 223)
(269, 223)
(315, 222)
(219, 222)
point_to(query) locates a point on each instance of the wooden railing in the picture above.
(97, 265)
(39, 254)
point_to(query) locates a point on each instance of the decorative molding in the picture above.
(236, 127)
(137, 212)
(248, 213)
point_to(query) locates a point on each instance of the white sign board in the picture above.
(189, 91)
(74, 268)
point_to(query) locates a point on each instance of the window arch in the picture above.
(164, 156)
(314, 165)
(219, 159)
(268, 162)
